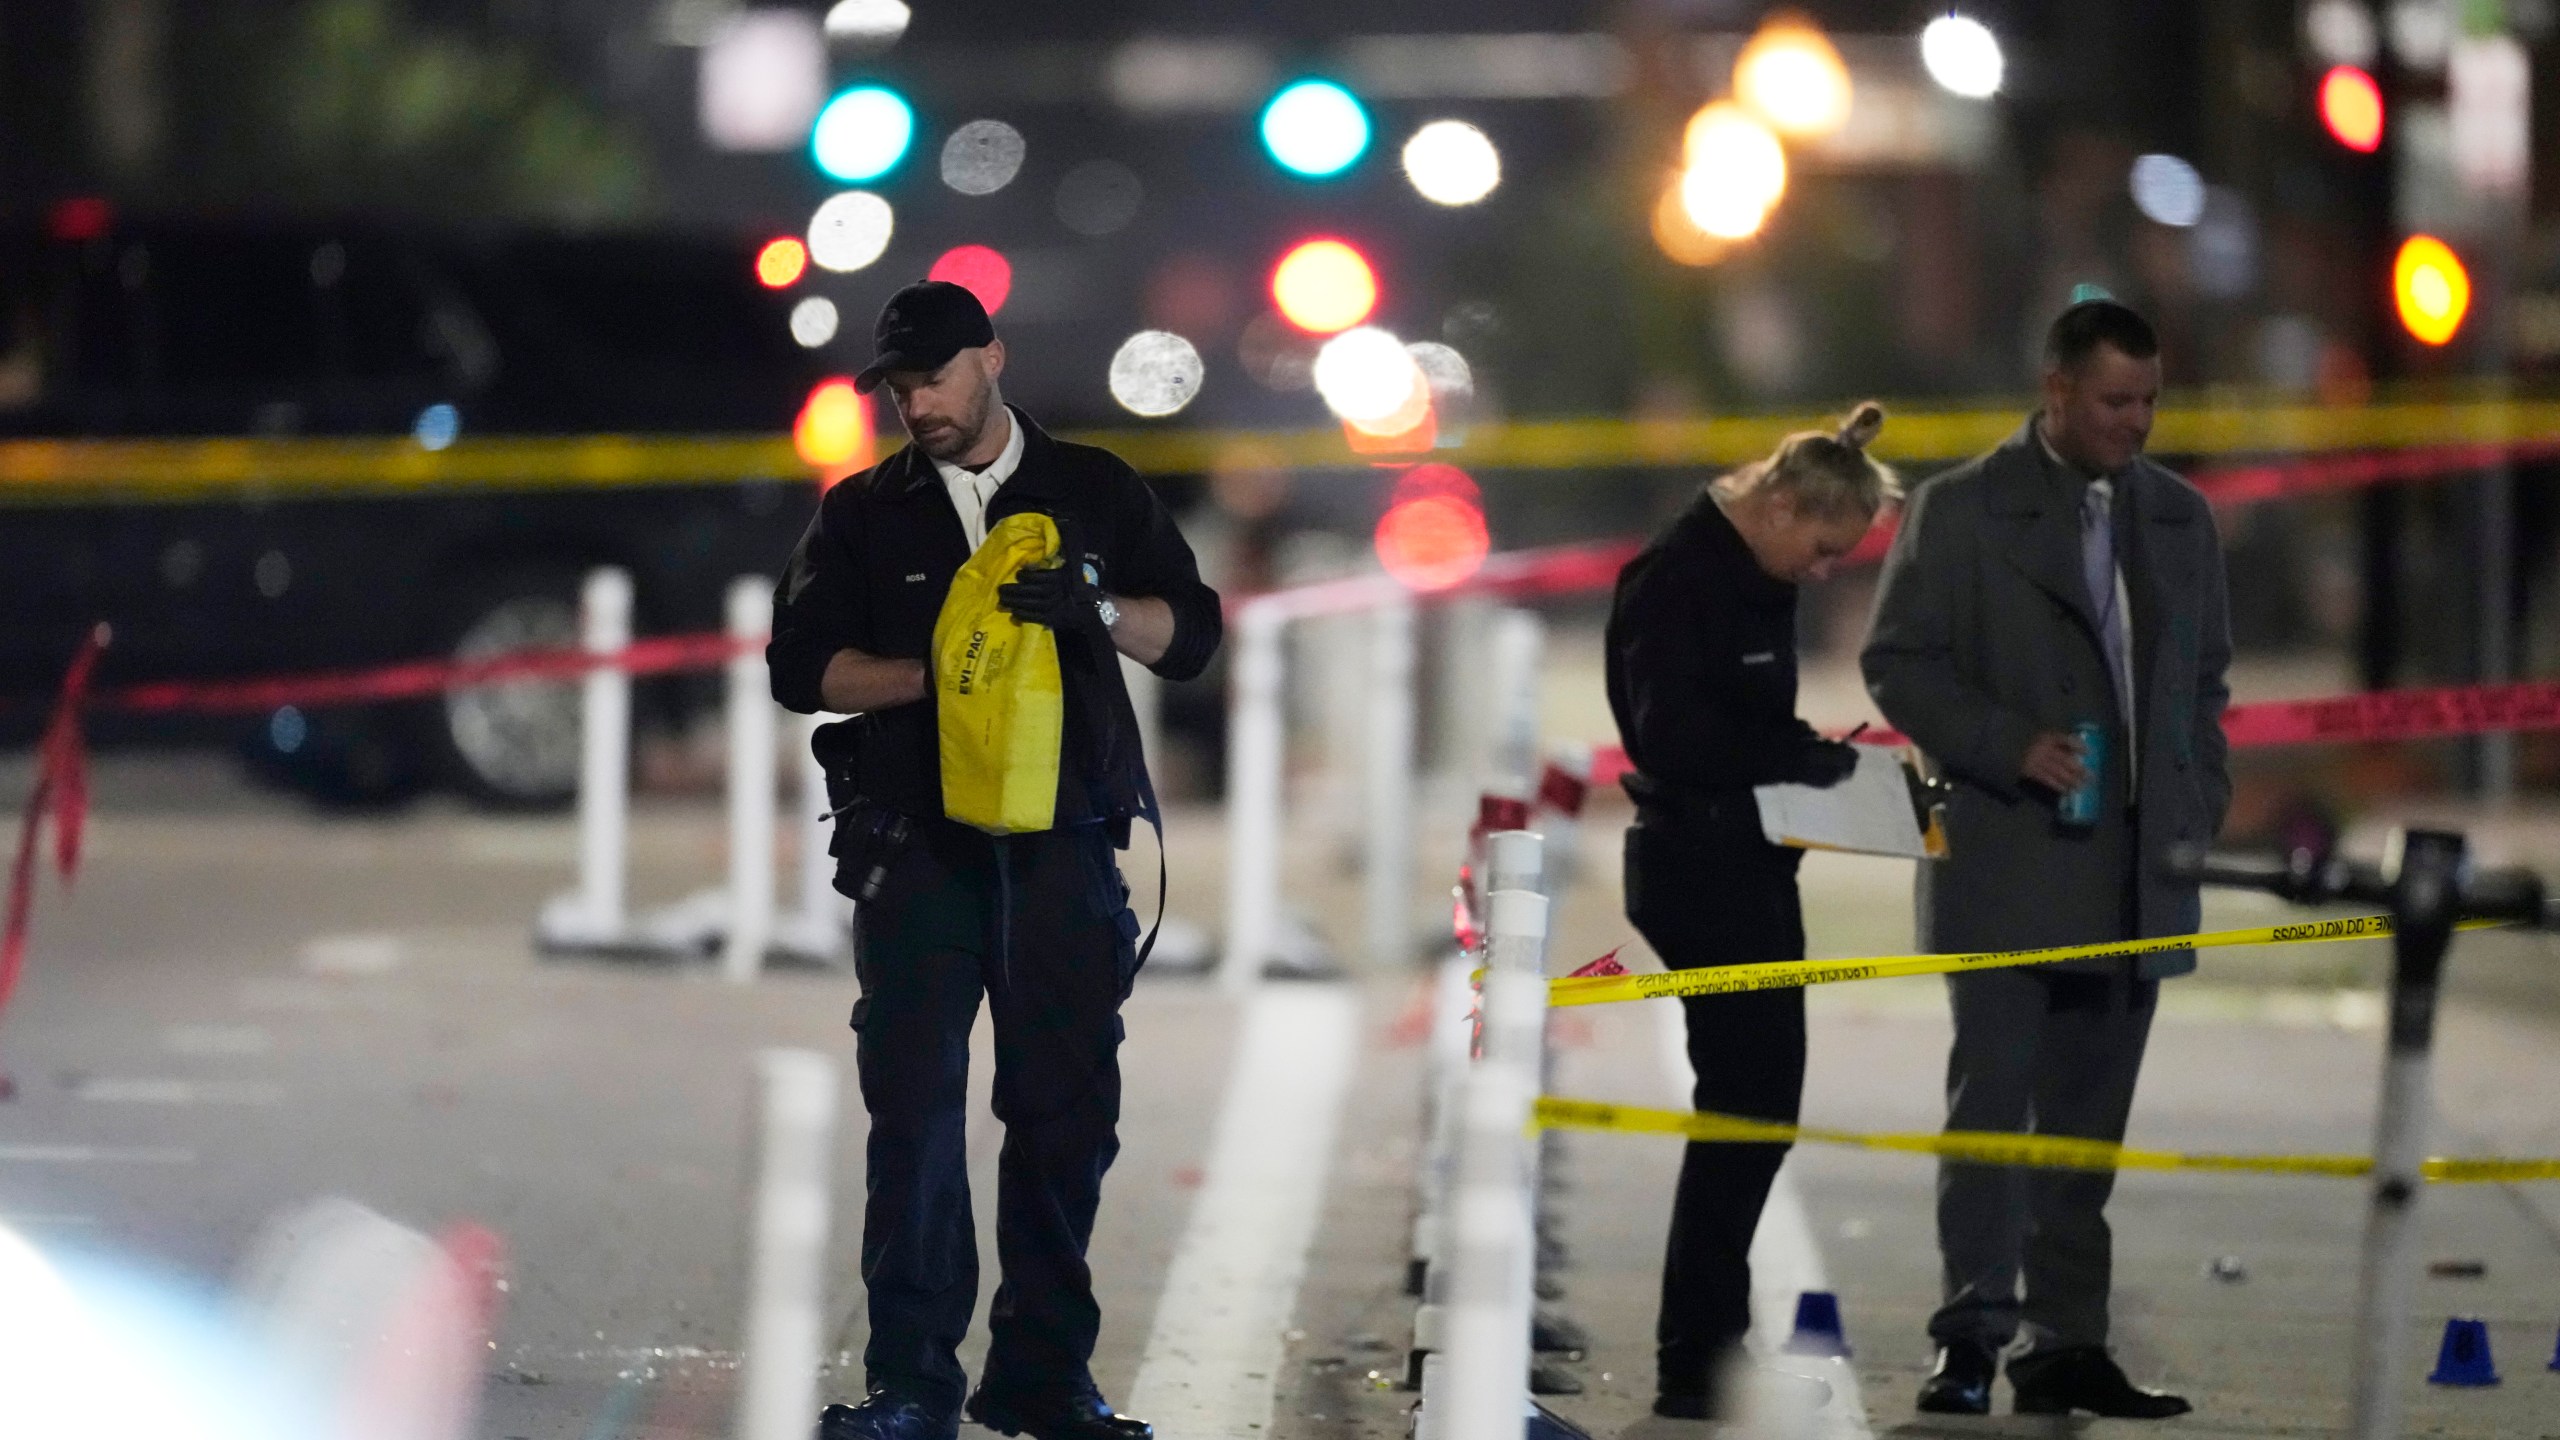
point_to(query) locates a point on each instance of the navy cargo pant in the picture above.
(1040, 925)
(1703, 896)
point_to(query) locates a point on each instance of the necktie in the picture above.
(2098, 568)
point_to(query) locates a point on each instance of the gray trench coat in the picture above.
(1984, 635)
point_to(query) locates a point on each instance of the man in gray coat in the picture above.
(2060, 580)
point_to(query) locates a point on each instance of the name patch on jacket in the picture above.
(1763, 658)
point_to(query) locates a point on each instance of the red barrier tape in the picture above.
(62, 786)
(660, 655)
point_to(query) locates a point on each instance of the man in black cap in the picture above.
(1038, 923)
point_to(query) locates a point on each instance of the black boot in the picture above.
(2086, 1377)
(1960, 1384)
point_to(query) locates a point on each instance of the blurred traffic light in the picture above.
(863, 133)
(1435, 539)
(1791, 76)
(1323, 286)
(2351, 106)
(1963, 56)
(981, 270)
(833, 434)
(2430, 288)
(1315, 128)
(779, 263)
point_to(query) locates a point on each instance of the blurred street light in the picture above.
(1679, 237)
(1791, 76)
(2351, 108)
(982, 157)
(1315, 128)
(833, 434)
(1451, 162)
(759, 80)
(870, 24)
(863, 133)
(1736, 171)
(850, 230)
(1366, 377)
(1155, 373)
(814, 321)
(978, 269)
(2430, 288)
(1433, 541)
(1962, 55)
(780, 263)
(1322, 286)
(2422, 33)
(2340, 32)
(2167, 190)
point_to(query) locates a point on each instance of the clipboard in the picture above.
(1880, 809)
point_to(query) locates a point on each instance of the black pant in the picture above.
(1040, 924)
(1720, 901)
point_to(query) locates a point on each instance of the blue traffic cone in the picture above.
(1818, 1330)
(2555, 1354)
(2464, 1357)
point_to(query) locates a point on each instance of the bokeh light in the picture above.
(982, 157)
(1322, 286)
(2340, 32)
(1315, 128)
(1446, 371)
(2431, 289)
(438, 426)
(1736, 171)
(2167, 190)
(1433, 542)
(978, 269)
(1963, 56)
(1155, 373)
(1679, 237)
(833, 434)
(863, 133)
(850, 230)
(1366, 377)
(1451, 162)
(2351, 106)
(814, 321)
(1791, 76)
(1099, 197)
(781, 262)
(1435, 477)
(873, 24)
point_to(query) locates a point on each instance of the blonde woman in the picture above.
(1702, 679)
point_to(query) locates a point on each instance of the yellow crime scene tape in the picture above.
(1793, 974)
(36, 471)
(2042, 1152)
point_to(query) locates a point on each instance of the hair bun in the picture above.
(1862, 426)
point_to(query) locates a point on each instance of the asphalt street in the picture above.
(244, 1005)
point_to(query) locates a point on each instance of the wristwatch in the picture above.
(1109, 612)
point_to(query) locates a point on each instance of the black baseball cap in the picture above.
(922, 327)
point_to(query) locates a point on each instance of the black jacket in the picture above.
(1702, 677)
(871, 573)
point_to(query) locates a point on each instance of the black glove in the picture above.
(1057, 596)
(1824, 763)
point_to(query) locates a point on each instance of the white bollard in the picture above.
(1254, 758)
(753, 722)
(1389, 787)
(604, 749)
(786, 1284)
(1492, 1250)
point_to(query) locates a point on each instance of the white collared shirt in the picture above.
(972, 489)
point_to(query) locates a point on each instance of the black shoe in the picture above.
(884, 1415)
(2086, 1377)
(1960, 1384)
(1688, 1405)
(1071, 1415)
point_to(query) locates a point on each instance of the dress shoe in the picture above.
(1960, 1384)
(1068, 1415)
(884, 1415)
(2086, 1377)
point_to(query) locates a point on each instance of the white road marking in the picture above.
(1786, 1260)
(40, 1154)
(158, 1090)
(1212, 1362)
(359, 955)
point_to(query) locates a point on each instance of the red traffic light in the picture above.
(981, 271)
(2351, 106)
(781, 262)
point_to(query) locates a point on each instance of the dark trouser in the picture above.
(1054, 964)
(2050, 1053)
(1721, 904)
